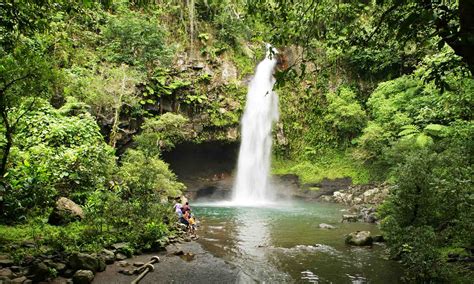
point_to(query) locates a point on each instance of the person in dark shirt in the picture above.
(186, 208)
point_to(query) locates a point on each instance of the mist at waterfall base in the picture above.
(252, 182)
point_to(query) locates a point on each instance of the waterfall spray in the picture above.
(261, 110)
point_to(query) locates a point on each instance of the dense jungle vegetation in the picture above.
(92, 92)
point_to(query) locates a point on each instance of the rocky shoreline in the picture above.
(76, 267)
(362, 199)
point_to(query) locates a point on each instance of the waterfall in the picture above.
(251, 186)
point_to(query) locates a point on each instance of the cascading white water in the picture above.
(261, 110)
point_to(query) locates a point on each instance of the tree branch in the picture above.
(8, 85)
(381, 20)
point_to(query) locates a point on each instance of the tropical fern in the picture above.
(409, 131)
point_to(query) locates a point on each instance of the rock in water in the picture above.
(359, 238)
(349, 218)
(83, 277)
(326, 226)
(65, 212)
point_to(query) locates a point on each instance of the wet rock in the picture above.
(349, 218)
(65, 211)
(107, 255)
(5, 280)
(84, 261)
(5, 261)
(187, 256)
(126, 272)
(326, 226)
(83, 277)
(68, 273)
(19, 280)
(123, 263)
(101, 265)
(123, 248)
(368, 215)
(6, 272)
(120, 256)
(120, 246)
(16, 268)
(138, 263)
(59, 266)
(327, 198)
(28, 281)
(39, 272)
(379, 239)
(359, 238)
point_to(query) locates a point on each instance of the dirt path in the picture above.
(201, 268)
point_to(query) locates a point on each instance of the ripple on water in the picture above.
(309, 277)
(356, 279)
(309, 248)
(215, 227)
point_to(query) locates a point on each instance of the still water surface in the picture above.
(283, 244)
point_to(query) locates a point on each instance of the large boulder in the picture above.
(359, 238)
(108, 256)
(5, 260)
(38, 272)
(83, 277)
(86, 262)
(65, 212)
(6, 272)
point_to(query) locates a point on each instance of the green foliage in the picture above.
(55, 155)
(147, 177)
(106, 89)
(135, 40)
(160, 134)
(429, 210)
(344, 113)
(226, 19)
(402, 107)
(331, 166)
(135, 208)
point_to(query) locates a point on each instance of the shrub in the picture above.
(55, 156)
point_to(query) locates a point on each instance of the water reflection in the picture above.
(281, 245)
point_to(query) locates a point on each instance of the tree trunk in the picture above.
(8, 145)
(466, 20)
(118, 108)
